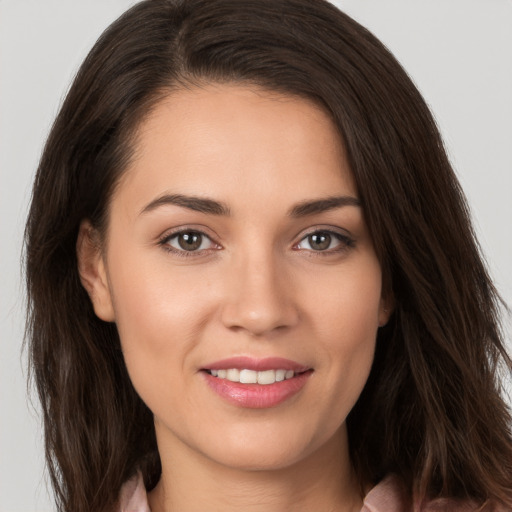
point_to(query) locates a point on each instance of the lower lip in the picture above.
(257, 396)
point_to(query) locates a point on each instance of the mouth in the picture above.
(256, 383)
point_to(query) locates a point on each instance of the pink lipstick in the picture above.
(256, 383)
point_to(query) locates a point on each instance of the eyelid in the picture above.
(324, 228)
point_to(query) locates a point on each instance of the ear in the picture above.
(386, 308)
(92, 271)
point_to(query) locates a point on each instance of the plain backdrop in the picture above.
(459, 53)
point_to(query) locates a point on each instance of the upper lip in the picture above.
(257, 364)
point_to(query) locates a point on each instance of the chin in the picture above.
(269, 452)
(258, 460)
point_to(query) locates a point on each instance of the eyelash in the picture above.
(345, 243)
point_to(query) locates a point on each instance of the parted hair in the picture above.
(432, 410)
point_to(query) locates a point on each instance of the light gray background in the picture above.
(459, 52)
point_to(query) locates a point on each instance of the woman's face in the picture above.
(237, 249)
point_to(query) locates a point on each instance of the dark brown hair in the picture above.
(431, 411)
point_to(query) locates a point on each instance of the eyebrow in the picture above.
(198, 204)
(212, 207)
(322, 205)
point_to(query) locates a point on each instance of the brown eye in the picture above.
(320, 241)
(328, 242)
(190, 241)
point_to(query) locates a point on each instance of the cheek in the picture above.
(153, 302)
(347, 322)
(350, 304)
(159, 317)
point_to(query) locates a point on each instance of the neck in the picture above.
(323, 481)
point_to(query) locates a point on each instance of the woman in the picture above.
(252, 278)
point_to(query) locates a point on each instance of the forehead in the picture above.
(232, 141)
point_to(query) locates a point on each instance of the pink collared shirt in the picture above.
(388, 496)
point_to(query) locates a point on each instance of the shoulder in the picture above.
(391, 496)
(133, 497)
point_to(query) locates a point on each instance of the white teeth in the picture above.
(233, 375)
(245, 376)
(267, 377)
(248, 377)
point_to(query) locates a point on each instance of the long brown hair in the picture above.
(431, 411)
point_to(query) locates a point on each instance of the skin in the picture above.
(256, 287)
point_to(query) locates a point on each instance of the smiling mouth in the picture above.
(245, 376)
(256, 383)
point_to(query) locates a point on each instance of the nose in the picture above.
(259, 297)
